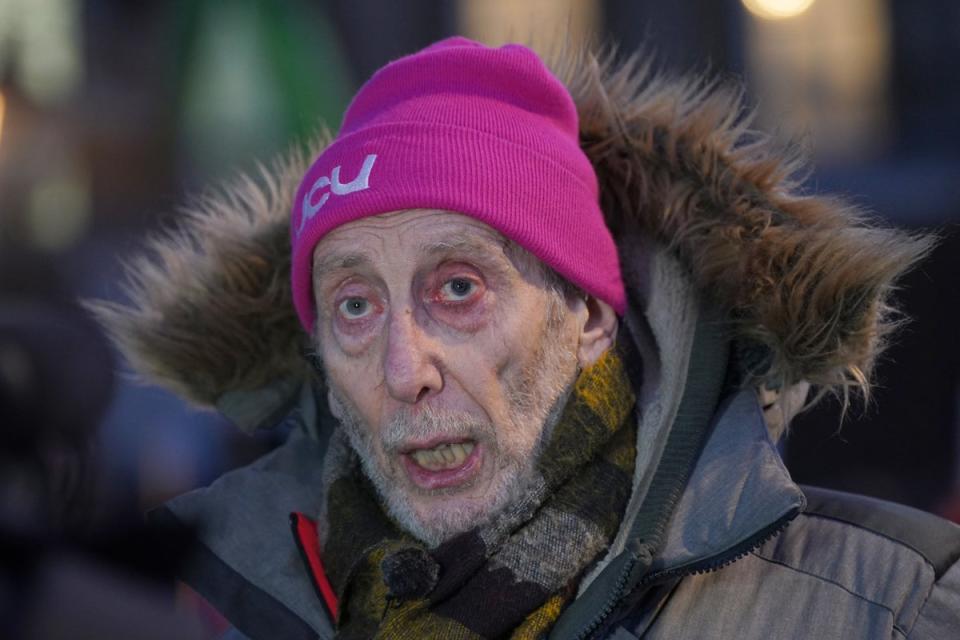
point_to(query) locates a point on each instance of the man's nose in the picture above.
(411, 368)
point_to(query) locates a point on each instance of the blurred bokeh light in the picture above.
(825, 75)
(777, 9)
(545, 25)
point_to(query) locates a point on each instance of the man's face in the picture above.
(446, 355)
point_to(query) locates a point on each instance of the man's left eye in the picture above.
(457, 289)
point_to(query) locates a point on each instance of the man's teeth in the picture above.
(444, 456)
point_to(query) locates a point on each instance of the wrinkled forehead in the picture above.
(418, 234)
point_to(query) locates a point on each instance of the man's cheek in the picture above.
(359, 379)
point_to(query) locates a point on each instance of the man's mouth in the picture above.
(443, 457)
(442, 465)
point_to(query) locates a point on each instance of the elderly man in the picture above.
(554, 330)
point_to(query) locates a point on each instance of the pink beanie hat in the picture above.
(458, 126)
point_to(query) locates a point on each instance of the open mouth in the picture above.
(444, 464)
(443, 457)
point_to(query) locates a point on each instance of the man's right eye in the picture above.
(355, 308)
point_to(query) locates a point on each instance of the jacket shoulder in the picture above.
(244, 559)
(847, 567)
(934, 539)
(932, 610)
(898, 562)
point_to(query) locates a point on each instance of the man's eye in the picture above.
(457, 289)
(354, 308)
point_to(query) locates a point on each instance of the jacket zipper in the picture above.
(707, 565)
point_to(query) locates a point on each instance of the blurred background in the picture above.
(113, 112)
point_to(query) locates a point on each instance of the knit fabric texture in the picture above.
(461, 127)
(512, 577)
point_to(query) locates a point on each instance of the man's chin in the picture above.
(449, 507)
(435, 519)
(437, 515)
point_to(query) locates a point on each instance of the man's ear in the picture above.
(598, 329)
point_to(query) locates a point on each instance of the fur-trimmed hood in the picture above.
(804, 278)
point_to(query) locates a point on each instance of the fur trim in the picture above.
(210, 306)
(806, 278)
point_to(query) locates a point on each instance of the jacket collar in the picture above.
(739, 485)
(739, 489)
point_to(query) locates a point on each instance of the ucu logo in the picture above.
(337, 188)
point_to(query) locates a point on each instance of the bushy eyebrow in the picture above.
(490, 252)
(464, 245)
(339, 262)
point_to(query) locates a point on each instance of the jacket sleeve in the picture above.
(940, 615)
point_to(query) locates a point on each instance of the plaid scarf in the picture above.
(512, 577)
